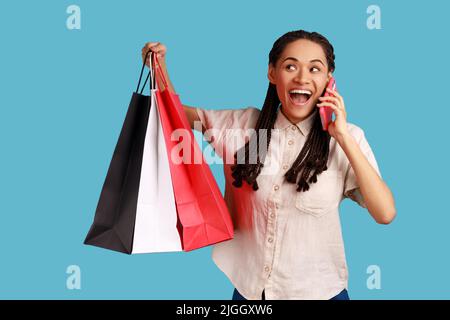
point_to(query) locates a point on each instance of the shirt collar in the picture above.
(305, 125)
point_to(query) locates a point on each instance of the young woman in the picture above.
(284, 205)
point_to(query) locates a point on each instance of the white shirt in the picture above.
(286, 242)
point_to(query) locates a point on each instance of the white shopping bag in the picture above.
(156, 215)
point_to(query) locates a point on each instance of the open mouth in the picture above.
(300, 97)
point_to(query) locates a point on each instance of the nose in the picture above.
(301, 77)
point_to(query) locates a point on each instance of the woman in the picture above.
(284, 203)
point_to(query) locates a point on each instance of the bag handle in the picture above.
(154, 68)
(152, 80)
(158, 69)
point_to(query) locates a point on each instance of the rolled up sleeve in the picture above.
(216, 123)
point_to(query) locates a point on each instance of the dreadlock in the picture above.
(313, 157)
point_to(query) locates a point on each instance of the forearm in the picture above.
(191, 113)
(166, 76)
(376, 194)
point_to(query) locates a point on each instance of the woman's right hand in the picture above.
(157, 48)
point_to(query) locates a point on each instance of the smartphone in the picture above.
(326, 113)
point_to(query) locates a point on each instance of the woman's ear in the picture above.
(271, 74)
(329, 75)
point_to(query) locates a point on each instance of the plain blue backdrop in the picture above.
(64, 95)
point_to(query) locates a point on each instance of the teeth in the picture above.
(301, 91)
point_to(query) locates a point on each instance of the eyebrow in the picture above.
(313, 60)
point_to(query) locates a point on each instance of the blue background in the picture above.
(64, 95)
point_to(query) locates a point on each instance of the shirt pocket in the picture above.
(322, 196)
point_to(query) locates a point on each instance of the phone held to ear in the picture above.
(326, 113)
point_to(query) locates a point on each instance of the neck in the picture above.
(296, 120)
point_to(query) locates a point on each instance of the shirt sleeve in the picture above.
(351, 187)
(216, 123)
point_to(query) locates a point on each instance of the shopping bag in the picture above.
(203, 216)
(136, 211)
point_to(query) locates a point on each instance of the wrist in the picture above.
(344, 138)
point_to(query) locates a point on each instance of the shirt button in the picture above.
(272, 215)
(294, 127)
(285, 167)
(267, 269)
(277, 206)
(270, 240)
(290, 142)
(276, 187)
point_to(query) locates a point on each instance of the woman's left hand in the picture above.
(337, 128)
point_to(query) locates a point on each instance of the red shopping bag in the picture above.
(203, 217)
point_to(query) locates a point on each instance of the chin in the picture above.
(298, 113)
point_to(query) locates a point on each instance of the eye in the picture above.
(287, 67)
(315, 68)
